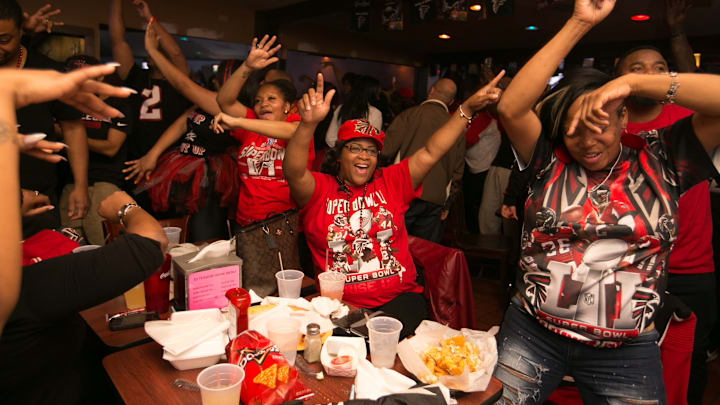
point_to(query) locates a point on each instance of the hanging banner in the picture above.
(361, 16)
(500, 7)
(422, 11)
(454, 10)
(392, 18)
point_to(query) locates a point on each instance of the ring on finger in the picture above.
(37, 193)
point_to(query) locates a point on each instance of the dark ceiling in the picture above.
(502, 32)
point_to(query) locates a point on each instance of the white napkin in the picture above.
(296, 302)
(325, 306)
(373, 383)
(216, 249)
(187, 330)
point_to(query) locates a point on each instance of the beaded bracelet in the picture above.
(469, 118)
(672, 91)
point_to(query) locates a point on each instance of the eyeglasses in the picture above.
(356, 149)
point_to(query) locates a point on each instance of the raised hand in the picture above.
(143, 9)
(592, 11)
(677, 12)
(41, 20)
(140, 169)
(489, 94)
(152, 41)
(313, 107)
(261, 53)
(76, 88)
(593, 105)
(35, 145)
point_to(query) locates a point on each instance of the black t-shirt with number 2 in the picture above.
(158, 105)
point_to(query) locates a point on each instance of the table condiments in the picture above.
(313, 344)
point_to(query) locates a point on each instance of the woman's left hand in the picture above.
(592, 105)
(489, 94)
(152, 42)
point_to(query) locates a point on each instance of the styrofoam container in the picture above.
(350, 346)
(203, 355)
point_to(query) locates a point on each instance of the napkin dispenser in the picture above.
(202, 283)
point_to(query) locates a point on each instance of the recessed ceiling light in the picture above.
(531, 28)
(444, 36)
(640, 17)
(476, 7)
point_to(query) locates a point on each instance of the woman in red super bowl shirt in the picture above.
(353, 214)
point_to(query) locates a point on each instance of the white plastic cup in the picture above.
(220, 384)
(332, 284)
(384, 334)
(284, 331)
(173, 234)
(289, 283)
(85, 248)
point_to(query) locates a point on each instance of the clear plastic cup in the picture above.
(173, 234)
(332, 284)
(289, 283)
(384, 334)
(85, 248)
(220, 384)
(284, 331)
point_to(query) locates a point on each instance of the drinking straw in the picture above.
(281, 265)
(326, 260)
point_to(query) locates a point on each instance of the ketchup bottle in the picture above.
(239, 303)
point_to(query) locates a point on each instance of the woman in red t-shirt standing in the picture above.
(353, 214)
(264, 189)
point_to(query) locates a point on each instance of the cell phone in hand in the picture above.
(131, 320)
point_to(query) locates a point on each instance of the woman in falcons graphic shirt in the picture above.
(353, 214)
(600, 221)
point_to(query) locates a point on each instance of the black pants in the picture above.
(408, 308)
(422, 219)
(697, 291)
(472, 185)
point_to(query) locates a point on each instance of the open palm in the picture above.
(261, 53)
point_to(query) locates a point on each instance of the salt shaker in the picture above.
(313, 343)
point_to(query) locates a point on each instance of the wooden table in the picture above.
(95, 318)
(141, 376)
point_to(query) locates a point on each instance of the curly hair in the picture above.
(11, 10)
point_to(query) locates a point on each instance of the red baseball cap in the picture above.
(353, 129)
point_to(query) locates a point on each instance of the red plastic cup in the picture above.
(157, 288)
(239, 304)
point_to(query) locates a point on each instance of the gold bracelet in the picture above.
(672, 91)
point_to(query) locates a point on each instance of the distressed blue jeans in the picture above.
(532, 361)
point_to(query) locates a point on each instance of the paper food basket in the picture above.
(430, 334)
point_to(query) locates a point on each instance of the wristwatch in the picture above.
(124, 210)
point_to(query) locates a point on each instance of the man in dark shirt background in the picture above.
(36, 174)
